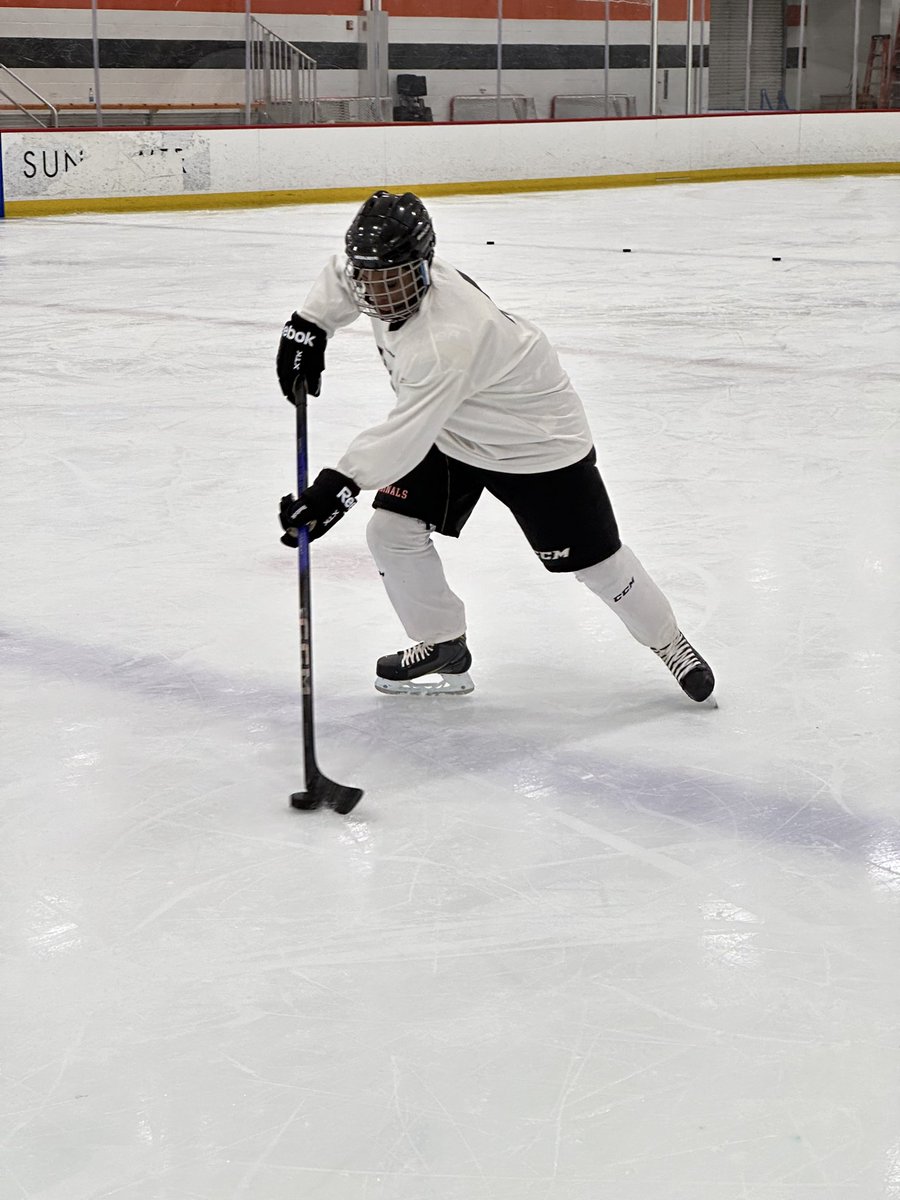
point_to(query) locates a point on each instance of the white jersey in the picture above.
(484, 386)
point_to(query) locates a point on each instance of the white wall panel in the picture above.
(99, 165)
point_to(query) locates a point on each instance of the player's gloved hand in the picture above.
(319, 507)
(301, 355)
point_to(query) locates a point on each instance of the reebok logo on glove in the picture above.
(302, 513)
(303, 336)
(301, 356)
(346, 497)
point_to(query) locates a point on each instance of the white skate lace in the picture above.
(415, 654)
(679, 656)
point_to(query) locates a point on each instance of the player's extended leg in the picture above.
(429, 610)
(621, 582)
(568, 519)
(624, 585)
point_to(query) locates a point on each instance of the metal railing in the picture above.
(366, 110)
(54, 115)
(281, 79)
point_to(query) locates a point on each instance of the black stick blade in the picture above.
(323, 792)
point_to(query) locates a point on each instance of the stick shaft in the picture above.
(305, 606)
(319, 788)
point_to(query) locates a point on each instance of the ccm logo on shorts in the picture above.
(552, 555)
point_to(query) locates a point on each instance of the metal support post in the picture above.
(854, 72)
(606, 59)
(701, 90)
(654, 53)
(95, 43)
(799, 101)
(248, 65)
(499, 54)
(689, 61)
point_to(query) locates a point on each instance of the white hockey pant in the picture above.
(622, 583)
(431, 612)
(414, 578)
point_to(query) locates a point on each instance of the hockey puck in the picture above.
(776, 260)
(626, 250)
(489, 243)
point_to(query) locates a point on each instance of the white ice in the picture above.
(581, 940)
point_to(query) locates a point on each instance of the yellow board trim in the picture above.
(203, 200)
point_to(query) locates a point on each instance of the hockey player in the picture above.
(481, 403)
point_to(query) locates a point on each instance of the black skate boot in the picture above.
(401, 674)
(691, 671)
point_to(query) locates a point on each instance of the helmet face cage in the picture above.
(389, 293)
(389, 248)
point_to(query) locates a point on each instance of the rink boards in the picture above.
(53, 171)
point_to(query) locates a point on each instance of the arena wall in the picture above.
(52, 171)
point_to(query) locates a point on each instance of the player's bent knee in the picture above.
(390, 533)
(610, 572)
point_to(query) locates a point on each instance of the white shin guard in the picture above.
(414, 577)
(622, 583)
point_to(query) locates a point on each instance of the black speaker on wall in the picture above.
(412, 85)
(410, 90)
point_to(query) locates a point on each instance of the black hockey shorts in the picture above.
(565, 514)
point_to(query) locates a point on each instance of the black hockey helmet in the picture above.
(390, 245)
(389, 231)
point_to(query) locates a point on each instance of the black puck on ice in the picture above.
(776, 259)
(489, 243)
(626, 249)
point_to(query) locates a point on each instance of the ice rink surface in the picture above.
(581, 939)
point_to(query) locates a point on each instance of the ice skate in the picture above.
(445, 664)
(692, 672)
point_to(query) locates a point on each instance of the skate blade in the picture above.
(447, 685)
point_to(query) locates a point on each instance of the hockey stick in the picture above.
(320, 790)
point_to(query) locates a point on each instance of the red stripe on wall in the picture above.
(350, 8)
(515, 10)
(543, 10)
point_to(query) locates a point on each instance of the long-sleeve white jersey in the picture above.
(483, 385)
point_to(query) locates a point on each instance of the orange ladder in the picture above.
(876, 83)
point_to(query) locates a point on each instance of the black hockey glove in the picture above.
(301, 355)
(318, 508)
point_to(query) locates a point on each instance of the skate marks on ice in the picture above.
(558, 757)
